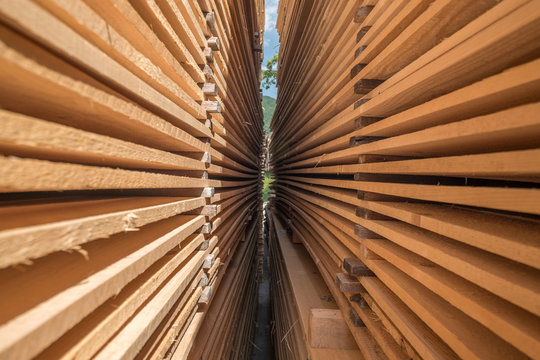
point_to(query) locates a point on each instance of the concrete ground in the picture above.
(262, 349)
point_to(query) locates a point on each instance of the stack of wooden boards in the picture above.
(307, 323)
(130, 133)
(406, 152)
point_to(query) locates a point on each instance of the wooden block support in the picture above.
(364, 121)
(359, 51)
(204, 279)
(361, 140)
(355, 319)
(209, 56)
(348, 283)
(206, 158)
(360, 300)
(362, 33)
(210, 89)
(211, 106)
(356, 267)
(368, 158)
(371, 196)
(213, 43)
(206, 228)
(360, 102)
(210, 210)
(204, 244)
(208, 261)
(205, 295)
(207, 71)
(210, 21)
(364, 86)
(206, 192)
(370, 215)
(356, 69)
(365, 233)
(361, 13)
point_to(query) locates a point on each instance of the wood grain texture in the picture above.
(118, 183)
(411, 149)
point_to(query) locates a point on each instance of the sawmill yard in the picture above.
(155, 205)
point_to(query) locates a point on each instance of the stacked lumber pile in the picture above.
(406, 152)
(131, 136)
(308, 323)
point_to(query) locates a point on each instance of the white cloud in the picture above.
(263, 66)
(270, 14)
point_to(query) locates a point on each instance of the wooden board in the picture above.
(129, 206)
(415, 139)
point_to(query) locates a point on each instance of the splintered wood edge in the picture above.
(40, 240)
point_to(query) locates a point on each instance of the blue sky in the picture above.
(271, 39)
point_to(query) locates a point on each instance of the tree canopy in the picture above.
(269, 75)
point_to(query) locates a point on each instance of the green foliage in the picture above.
(269, 75)
(266, 185)
(268, 104)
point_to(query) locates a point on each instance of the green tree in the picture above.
(269, 75)
(266, 185)
(268, 104)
